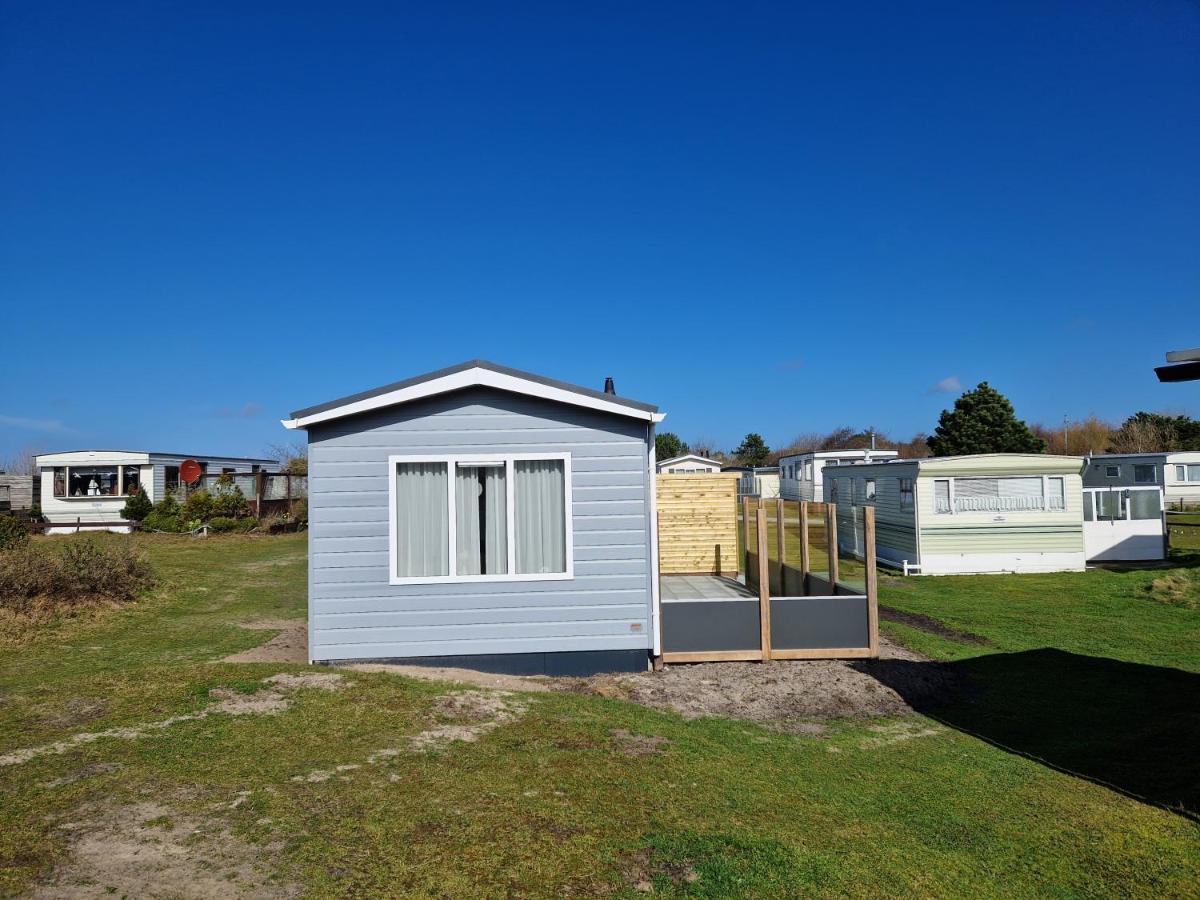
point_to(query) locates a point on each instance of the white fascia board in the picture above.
(468, 379)
(93, 457)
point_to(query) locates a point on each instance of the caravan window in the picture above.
(1145, 474)
(906, 493)
(941, 495)
(81, 482)
(869, 492)
(1112, 471)
(1187, 473)
(480, 518)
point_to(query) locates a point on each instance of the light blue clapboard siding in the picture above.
(355, 613)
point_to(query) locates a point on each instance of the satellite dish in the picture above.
(190, 471)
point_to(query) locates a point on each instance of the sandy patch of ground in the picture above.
(464, 716)
(784, 695)
(75, 711)
(265, 701)
(488, 680)
(150, 850)
(471, 714)
(639, 744)
(289, 646)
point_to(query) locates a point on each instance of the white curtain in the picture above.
(480, 520)
(422, 520)
(540, 499)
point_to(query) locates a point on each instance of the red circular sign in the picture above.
(190, 471)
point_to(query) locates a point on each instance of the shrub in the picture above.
(198, 507)
(35, 512)
(299, 513)
(229, 501)
(137, 507)
(75, 571)
(13, 532)
(161, 521)
(223, 524)
(275, 524)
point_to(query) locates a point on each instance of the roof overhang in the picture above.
(696, 457)
(476, 373)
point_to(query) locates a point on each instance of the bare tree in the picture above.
(292, 458)
(22, 462)
(706, 446)
(1140, 436)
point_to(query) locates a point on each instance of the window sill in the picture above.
(480, 579)
(95, 497)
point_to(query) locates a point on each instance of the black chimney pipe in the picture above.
(609, 387)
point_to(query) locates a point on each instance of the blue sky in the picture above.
(770, 217)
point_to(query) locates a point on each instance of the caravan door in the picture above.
(1124, 523)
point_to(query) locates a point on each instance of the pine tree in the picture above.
(668, 446)
(137, 507)
(983, 421)
(752, 451)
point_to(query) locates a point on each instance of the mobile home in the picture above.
(1176, 472)
(756, 481)
(484, 517)
(801, 475)
(966, 514)
(689, 464)
(90, 487)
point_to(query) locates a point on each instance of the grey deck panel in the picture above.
(701, 587)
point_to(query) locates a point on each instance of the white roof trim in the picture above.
(475, 377)
(130, 457)
(695, 456)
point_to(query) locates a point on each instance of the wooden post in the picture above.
(804, 546)
(832, 542)
(745, 561)
(872, 579)
(780, 550)
(764, 587)
(260, 491)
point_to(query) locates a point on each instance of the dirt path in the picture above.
(789, 695)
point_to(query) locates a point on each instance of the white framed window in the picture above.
(808, 471)
(906, 493)
(90, 482)
(1145, 474)
(1112, 471)
(480, 517)
(1187, 473)
(869, 490)
(941, 495)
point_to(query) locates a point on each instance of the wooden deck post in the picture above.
(745, 560)
(832, 543)
(764, 586)
(780, 547)
(872, 578)
(804, 566)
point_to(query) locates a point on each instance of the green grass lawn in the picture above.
(549, 804)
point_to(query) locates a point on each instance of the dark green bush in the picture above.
(13, 532)
(137, 507)
(78, 569)
(157, 520)
(223, 524)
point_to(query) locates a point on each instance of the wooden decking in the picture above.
(702, 587)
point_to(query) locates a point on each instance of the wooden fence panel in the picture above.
(697, 524)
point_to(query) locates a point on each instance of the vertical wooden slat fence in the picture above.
(697, 524)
